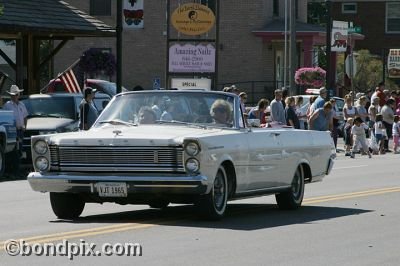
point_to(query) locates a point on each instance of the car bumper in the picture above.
(77, 183)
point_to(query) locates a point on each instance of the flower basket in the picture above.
(310, 76)
(97, 62)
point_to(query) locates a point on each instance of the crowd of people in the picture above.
(371, 119)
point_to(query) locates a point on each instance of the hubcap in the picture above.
(296, 184)
(219, 191)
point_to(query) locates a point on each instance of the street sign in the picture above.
(356, 29)
(351, 66)
(156, 83)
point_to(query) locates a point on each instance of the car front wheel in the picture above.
(292, 198)
(66, 205)
(213, 204)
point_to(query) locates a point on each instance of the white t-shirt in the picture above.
(379, 128)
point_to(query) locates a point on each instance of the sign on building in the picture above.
(394, 63)
(193, 19)
(191, 84)
(133, 13)
(339, 36)
(192, 58)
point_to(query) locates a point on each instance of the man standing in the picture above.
(20, 115)
(87, 112)
(320, 101)
(321, 119)
(277, 110)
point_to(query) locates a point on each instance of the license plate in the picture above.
(112, 189)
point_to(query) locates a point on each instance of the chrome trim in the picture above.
(46, 182)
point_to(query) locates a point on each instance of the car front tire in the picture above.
(292, 199)
(213, 204)
(66, 205)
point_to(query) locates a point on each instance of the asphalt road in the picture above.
(351, 218)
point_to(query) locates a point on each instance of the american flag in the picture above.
(70, 81)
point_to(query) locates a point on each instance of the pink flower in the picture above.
(311, 76)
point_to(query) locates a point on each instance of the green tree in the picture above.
(369, 70)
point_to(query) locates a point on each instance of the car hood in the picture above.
(142, 135)
(47, 123)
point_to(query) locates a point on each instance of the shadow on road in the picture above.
(238, 217)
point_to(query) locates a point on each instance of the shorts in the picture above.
(378, 137)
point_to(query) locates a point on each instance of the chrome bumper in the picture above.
(78, 183)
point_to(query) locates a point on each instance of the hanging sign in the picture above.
(339, 36)
(193, 19)
(133, 14)
(192, 58)
(191, 84)
(394, 63)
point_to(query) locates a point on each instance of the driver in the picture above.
(147, 115)
(221, 112)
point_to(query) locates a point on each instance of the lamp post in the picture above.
(119, 46)
(328, 43)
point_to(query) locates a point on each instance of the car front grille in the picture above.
(117, 159)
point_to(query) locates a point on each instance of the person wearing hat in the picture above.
(20, 114)
(87, 111)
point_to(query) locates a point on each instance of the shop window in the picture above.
(349, 8)
(393, 17)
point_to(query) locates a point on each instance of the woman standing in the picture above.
(290, 113)
(349, 111)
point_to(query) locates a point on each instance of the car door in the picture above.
(265, 158)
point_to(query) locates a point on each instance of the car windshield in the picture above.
(51, 107)
(170, 107)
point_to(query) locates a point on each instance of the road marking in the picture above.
(151, 223)
(349, 167)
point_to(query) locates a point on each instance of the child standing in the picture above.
(379, 130)
(396, 133)
(359, 137)
(347, 136)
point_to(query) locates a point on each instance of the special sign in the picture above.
(394, 63)
(193, 19)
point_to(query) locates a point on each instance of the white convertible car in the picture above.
(161, 147)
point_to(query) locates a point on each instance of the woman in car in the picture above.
(221, 112)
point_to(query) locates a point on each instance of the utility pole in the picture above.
(119, 46)
(293, 48)
(328, 43)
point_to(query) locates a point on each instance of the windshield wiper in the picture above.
(180, 123)
(117, 122)
(46, 115)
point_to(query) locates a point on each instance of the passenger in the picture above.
(310, 109)
(146, 115)
(221, 112)
(167, 114)
(359, 137)
(321, 119)
(243, 99)
(290, 113)
(87, 111)
(259, 111)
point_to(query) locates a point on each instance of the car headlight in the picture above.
(192, 165)
(192, 148)
(42, 163)
(40, 147)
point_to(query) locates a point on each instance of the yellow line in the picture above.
(150, 223)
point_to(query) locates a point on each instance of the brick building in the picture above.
(250, 47)
(379, 22)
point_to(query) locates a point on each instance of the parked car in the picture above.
(193, 158)
(8, 137)
(103, 86)
(54, 113)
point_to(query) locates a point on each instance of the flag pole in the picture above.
(59, 75)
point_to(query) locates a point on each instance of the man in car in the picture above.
(87, 111)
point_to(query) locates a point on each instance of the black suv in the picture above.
(54, 113)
